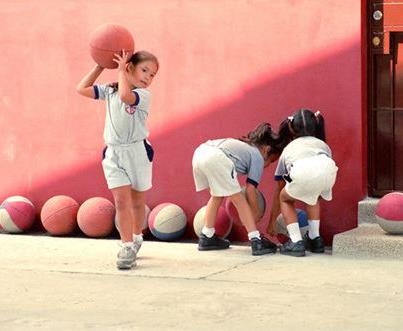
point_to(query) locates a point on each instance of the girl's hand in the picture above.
(121, 60)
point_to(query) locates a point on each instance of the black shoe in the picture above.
(208, 244)
(314, 245)
(293, 249)
(262, 246)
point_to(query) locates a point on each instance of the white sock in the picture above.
(294, 232)
(138, 238)
(254, 234)
(208, 232)
(127, 244)
(313, 228)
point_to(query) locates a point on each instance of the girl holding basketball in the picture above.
(216, 164)
(127, 162)
(305, 172)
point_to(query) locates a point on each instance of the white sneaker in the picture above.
(126, 258)
(137, 246)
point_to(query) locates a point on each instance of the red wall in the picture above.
(225, 67)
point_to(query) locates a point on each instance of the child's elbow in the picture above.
(79, 89)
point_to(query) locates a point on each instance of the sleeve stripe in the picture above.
(278, 177)
(251, 181)
(137, 99)
(96, 91)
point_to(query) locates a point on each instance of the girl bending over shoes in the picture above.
(216, 164)
(305, 172)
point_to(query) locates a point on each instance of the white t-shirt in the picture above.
(297, 149)
(124, 124)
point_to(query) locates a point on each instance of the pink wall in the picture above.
(225, 67)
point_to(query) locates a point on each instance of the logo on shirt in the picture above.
(130, 109)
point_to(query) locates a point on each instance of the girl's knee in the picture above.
(122, 202)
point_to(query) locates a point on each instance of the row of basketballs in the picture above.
(62, 215)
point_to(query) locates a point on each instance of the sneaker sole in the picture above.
(295, 254)
(125, 265)
(317, 251)
(211, 248)
(264, 252)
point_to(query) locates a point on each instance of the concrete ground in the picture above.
(72, 284)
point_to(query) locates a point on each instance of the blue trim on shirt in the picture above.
(278, 178)
(136, 95)
(96, 91)
(251, 181)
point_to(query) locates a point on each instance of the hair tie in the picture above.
(317, 113)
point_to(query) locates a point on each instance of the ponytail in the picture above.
(320, 127)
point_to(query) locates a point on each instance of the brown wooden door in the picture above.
(385, 73)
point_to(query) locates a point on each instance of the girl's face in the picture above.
(142, 74)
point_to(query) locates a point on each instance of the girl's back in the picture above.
(304, 147)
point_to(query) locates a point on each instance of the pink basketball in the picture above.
(389, 213)
(95, 217)
(107, 40)
(17, 214)
(59, 215)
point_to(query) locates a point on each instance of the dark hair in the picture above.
(263, 135)
(142, 56)
(302, 124)
(135, 59)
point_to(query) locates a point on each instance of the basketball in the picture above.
(59, 215)
(167, 221)
(95, 217)
(145, 222)
(223, 223)
(233, 213)
(107, 40)
(389, 213)
(17, 214)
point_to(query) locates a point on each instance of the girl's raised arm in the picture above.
(85, 86)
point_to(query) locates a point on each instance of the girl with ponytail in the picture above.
(306, 173)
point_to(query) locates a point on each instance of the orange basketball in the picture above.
(59, 215)
(107, 40)
(96, 216)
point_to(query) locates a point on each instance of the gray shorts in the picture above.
(129, 165)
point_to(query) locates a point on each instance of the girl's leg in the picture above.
(124, 212)
(213, 205)
(244, 211)
(138, 204)
(313, 220)
(208, 241)
(124, 217)
(259, 245)
(295, 246)
(314, 241)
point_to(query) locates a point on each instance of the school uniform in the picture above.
(128, 156)
(307, 167)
